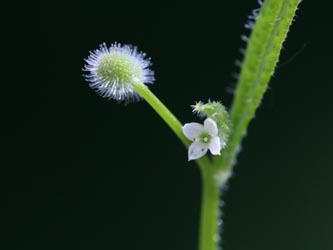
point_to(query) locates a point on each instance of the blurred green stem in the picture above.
(209, 233)
(262, 54)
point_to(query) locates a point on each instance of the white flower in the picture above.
(113, 71)
(204, 137)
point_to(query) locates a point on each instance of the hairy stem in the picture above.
(209, 234)
(262, 53)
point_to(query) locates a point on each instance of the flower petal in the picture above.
(211, 127)
(196, 150)
(192, 130)
(215, 145)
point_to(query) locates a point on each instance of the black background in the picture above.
(81, 172)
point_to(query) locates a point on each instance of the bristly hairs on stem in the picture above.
(272, 22)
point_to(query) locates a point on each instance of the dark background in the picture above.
(81, 172)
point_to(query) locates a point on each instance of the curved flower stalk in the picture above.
(121, 73)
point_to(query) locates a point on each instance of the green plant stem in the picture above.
(209, 232)
(168, 117)
(261, 57)
(260, 60)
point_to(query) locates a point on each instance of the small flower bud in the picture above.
(114, 71)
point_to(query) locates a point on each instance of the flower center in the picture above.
(205, 138)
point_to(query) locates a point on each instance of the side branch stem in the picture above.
(168, 117)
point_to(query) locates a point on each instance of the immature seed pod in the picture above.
(113, 71)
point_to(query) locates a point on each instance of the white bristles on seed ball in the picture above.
(113, 71)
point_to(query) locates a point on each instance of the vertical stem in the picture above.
(209, 233)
